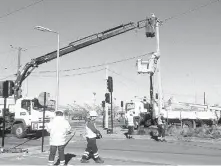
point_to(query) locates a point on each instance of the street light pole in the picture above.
(57, 89)
(58, 51)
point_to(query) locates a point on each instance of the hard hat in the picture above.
(93, 113)
(161, 113)
(60, 110)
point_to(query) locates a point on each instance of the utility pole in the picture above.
(151, 93)
(19, 56)
(158, 65)
(19, 59)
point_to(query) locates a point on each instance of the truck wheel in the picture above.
(19, 130)
(188, 123)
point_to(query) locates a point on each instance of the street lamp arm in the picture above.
(41, 28)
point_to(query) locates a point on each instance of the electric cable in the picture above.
(190, 10)
(99, 65)
(68, 75)
(20, 9)
(122, 76)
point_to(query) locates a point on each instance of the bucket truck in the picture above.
(186, 114)
(24, 115)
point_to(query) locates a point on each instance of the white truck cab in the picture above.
(136, 107)
(28, 116)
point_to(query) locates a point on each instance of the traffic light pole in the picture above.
(103, 106)
(106, 105)
(43, 129)
(3, 128)
(112, 125)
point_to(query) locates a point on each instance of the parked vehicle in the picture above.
(184, 114)
(24, 116)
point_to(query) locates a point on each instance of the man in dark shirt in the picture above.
(161, 127)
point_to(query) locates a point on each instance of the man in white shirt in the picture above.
(130, 122)
(58, 128)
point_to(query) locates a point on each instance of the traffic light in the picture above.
(103, 104)
(10, 88)
(156, 95)
(107, 97)
(6, 88)
(110, 84)
(122, 104)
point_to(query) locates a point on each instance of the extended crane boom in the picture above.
(73, 46)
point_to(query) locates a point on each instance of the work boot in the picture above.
(84, 159)
(99, 160)
(163, 140)
(158, 139)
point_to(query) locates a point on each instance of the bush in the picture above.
(200, 132)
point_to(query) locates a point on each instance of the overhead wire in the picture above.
(190, 10)
(20, 9)
(121, 75)
(99, 65)
(68, 75)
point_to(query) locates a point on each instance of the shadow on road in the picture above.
(68, 157)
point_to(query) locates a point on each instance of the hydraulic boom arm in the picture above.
(74, 46)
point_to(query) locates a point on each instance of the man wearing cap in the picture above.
(58, 128)
(130, 121)
(161, 127)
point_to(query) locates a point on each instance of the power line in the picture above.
(99, 65)
(122, 76)
(191, 10)
(68, 75)
(22, 8)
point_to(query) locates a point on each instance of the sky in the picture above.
(190, 46)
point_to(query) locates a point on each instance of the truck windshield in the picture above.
(38, 106)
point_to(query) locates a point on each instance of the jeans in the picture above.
(130, 130)
(53, 150)
(161, 130)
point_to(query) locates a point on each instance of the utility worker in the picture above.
(58, 128)
(92, 133)
(130, 122)
(161, 124)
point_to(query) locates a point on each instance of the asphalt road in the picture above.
(117, 150)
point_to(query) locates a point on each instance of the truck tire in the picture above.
(188, 123)
(19, 130)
